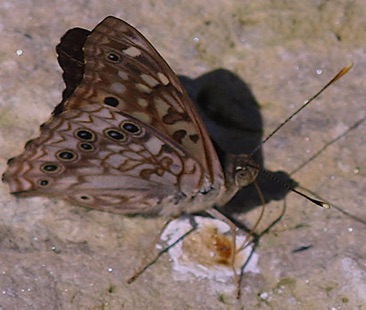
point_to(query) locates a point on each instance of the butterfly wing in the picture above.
(164, 156)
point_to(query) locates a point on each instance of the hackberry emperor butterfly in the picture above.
(126, 138)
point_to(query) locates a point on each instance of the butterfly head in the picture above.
(241, 169)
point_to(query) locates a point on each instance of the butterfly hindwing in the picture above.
(105, 159)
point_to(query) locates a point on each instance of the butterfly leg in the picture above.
(145, 264)
(233, 228)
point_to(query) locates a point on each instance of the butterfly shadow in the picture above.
(232, 116)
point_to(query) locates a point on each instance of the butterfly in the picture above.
(126, 137)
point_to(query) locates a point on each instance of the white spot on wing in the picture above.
(149, 80)
(163, 78)
(161, 106)
(118, 88)
(142, 102)
(143, 88)
(123, 75)
(132, 51)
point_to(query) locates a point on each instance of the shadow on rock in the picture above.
(231, 115)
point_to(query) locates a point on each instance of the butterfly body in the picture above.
(126, 138)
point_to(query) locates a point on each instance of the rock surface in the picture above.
(57, 256)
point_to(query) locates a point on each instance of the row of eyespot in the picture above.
(87, 136)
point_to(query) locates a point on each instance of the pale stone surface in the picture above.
(56, 256)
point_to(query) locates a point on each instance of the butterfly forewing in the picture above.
(123, 69)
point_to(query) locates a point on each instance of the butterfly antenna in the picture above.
(320, 203)
(336, 77)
